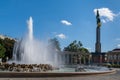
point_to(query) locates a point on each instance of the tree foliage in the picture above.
(8, 44)
(2, 51)
(76, 47)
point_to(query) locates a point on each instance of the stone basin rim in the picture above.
(51, 74)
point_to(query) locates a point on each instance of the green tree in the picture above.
(74, 46)
(84, 50)
(8, 44)
(78, 47)
(2, 51)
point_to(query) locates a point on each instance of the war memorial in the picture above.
(63, 65)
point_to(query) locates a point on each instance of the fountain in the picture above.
(32, 51)
(33, 58)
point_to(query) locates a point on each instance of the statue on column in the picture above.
(98, 19)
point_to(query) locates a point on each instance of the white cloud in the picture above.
(106, 14)
(118, 45)
(61, 36)
(65, 22)
(104, 21)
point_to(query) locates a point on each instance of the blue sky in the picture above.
(67, 20)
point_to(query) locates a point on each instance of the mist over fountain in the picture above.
(29, 50)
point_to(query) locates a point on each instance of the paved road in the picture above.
(115, 76)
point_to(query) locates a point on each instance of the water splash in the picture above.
(29, 50)
(30, 28)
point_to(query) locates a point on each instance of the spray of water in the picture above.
(29, 50)
(30, 28)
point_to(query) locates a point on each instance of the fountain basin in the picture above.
(52, 74)
(46, 70)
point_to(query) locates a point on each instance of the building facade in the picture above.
(113, 57)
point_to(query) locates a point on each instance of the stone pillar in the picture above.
(108, 58)
(105, 58)
(67, 58)
(112, 59)
(98, 44)
(62, 59)
(70, 58)
(90, 59)
(119, 58)
(79, 58)
(75, 59)
(84, 61)
(100, 58)
(66, 61)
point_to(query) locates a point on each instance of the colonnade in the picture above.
(73, 58)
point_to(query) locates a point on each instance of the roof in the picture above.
(116, 50)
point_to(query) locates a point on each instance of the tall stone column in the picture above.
(98, 44)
